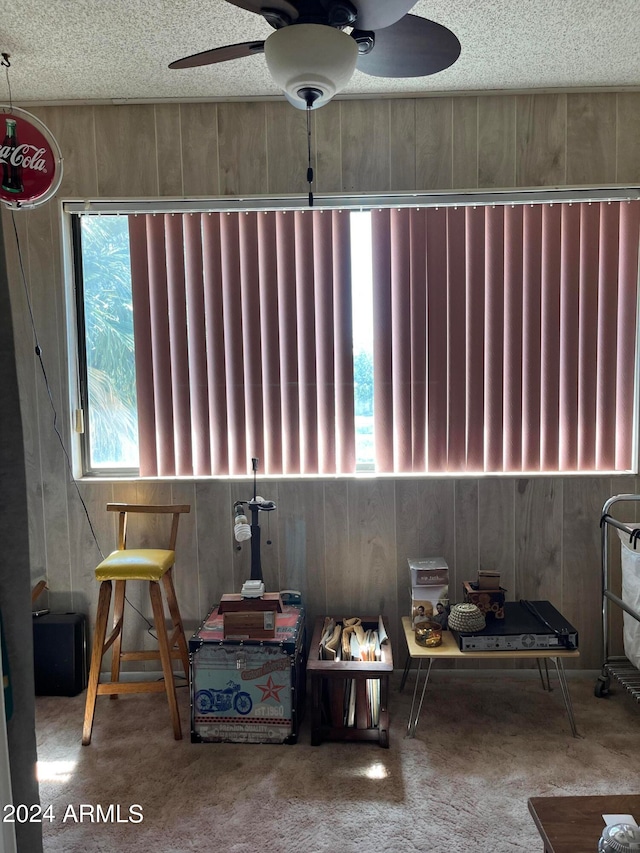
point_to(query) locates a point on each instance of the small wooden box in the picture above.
(249, 625)
(488, 580)
(490, 601)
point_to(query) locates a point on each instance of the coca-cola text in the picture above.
(20, 156)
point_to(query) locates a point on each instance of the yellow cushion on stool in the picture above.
(142, 564)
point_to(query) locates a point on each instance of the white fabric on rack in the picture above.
(631, 596)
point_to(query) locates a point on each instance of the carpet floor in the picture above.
(483, 746)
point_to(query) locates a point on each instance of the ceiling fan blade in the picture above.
(219, 54)
(258, 5)
(412, 47)
(376, 14)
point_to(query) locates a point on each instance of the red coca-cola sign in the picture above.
(30, 161)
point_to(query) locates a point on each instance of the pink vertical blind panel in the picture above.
(243, 342)
(505, 337)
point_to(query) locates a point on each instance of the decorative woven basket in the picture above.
(466, 617)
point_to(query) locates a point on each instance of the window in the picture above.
(408, 339)
(362, 323)
(506, 337)
(108, 366)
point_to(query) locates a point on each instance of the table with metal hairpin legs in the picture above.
(450, 650)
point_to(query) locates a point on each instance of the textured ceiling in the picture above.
(104, 50)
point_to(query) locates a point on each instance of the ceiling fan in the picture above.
(318, 44)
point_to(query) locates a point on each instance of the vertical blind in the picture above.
(243, 342)
(505, 337)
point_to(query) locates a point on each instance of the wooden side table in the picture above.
(574, 824)
(325, 671)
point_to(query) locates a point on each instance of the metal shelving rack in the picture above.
(617, 667)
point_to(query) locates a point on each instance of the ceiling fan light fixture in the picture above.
(310, 56)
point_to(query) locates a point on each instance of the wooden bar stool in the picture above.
(155, 566)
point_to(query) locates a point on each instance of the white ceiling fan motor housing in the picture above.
(310, 56)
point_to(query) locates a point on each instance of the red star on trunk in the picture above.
(270, 690)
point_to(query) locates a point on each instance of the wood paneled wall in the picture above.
(342, 542)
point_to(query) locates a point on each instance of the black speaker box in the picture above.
(60, 654)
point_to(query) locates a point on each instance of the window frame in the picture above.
(71, 210)
(82, 364)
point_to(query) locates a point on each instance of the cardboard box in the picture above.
(428, 571)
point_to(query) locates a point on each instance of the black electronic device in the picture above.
(527, 626)
(60, 654)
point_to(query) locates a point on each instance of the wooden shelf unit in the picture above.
(323, 672)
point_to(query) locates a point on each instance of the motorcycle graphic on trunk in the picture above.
(230, 697)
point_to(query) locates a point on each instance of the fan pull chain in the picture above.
(7, 65)
(309, 167)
